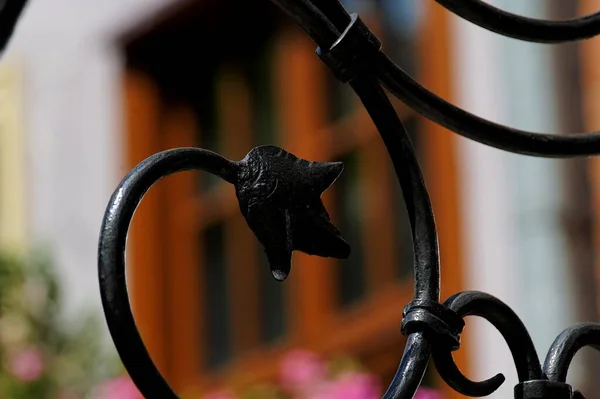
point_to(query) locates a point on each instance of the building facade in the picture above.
(105, 86)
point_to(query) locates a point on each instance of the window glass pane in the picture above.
(216, 310)
(348, 211)
(272, 303)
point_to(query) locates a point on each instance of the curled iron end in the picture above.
(474, 303)
(280, 197)
(451, 374)
(565, 347)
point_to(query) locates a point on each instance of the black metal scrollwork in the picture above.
(508, 324)
(354, 55)
(279, 195)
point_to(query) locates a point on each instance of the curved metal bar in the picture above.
(398, 146)
(444, 113)
(9, 16)
(506, 321)
(427, 267)
(427, 280)
(523, 28)
(411, 369)
(414, 191)
(566, 346)
(451, 374)
(478, 129)
(111, 257)
(474, 303)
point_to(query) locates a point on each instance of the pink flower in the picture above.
(121, 387)
(225, 394)
(428, 393)
(27, 365)
(300, 368)
(355, 385)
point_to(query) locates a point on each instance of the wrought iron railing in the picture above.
(279, 195)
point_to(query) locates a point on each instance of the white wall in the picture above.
(72, 126)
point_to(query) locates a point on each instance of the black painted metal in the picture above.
(354, 55)
(508, 324)
(279, 196)
(111, 256)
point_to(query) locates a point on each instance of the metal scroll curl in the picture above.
(414, 362)
(111, 258)
(501, 316)
(566, 346)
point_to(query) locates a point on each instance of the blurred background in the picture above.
(90, 88)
